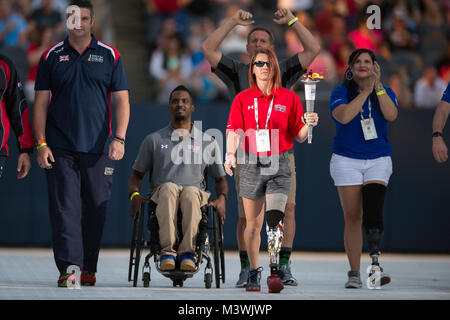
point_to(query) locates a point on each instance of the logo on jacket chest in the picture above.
(95, 58)
(280, 107)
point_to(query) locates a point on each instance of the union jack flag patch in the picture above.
(64, 58)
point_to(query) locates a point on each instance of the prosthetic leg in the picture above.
(373, 202)
(275, 204)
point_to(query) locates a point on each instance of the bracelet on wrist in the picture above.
(133, 194)
(379, 93)
(40, 145)
(119, 139)
(223, 194)
(291, 22)
(436, 134)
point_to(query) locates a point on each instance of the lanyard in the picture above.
(268, 113)
(370, 110)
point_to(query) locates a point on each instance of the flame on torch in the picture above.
(312, 76)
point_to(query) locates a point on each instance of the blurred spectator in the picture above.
(22, 7)
(170, 66)
(401, 31)
(58, 5)
(338, 34)
(443, 65)
(236, 41)
(296, 5)
(398, 84)
(429, 89)
(324, 20)
(12, 26)
(167, 30)
(403, 39)
(341, 59)
(46, 15)
(42, 40)
(322, 64)
(384, 58)
(433, 31)
(166, 6)
(364, 37)
(206, 85)
(164, 18)
(348, 9)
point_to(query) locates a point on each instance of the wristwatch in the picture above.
(436, 134)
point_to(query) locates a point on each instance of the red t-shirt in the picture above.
(286, 115)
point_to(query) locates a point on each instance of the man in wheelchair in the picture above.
(178, 159)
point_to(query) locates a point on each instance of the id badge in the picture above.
(369, 130)
(262, 140)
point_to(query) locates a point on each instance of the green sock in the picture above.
(285, 255)
(244, 259)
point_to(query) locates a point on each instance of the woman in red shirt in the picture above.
(269, 117)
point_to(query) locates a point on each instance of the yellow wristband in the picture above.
(40, 145)
(294, 20)
(134, 194)
(379, 93)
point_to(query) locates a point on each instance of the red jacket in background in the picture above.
(13, 110)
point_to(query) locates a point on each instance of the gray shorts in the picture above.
(256, 181)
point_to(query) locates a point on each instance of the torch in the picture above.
(310, 80)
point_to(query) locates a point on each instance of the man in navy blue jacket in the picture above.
(75, 141)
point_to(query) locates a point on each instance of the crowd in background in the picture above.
(412, 45)
(27, 29)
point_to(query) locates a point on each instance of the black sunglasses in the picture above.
(261, 64)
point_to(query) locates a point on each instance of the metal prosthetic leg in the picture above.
(274, 242)
(275, 205)
(376, 276)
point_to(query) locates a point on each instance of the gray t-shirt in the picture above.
(185, 161)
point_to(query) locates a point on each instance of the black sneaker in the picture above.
(254, 278)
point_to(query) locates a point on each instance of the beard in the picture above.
(179, 118)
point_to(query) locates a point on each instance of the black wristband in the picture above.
(119, 139)
(436, 134)
(224, 195)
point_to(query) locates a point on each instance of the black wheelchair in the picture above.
(149, 240)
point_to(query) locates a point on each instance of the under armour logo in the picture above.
(250, 107)
(164, 146)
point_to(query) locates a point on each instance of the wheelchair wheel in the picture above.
(222, 252)
(215, 231)
(132, 251)
(136, 246)
(208, 280)
(146, 279)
